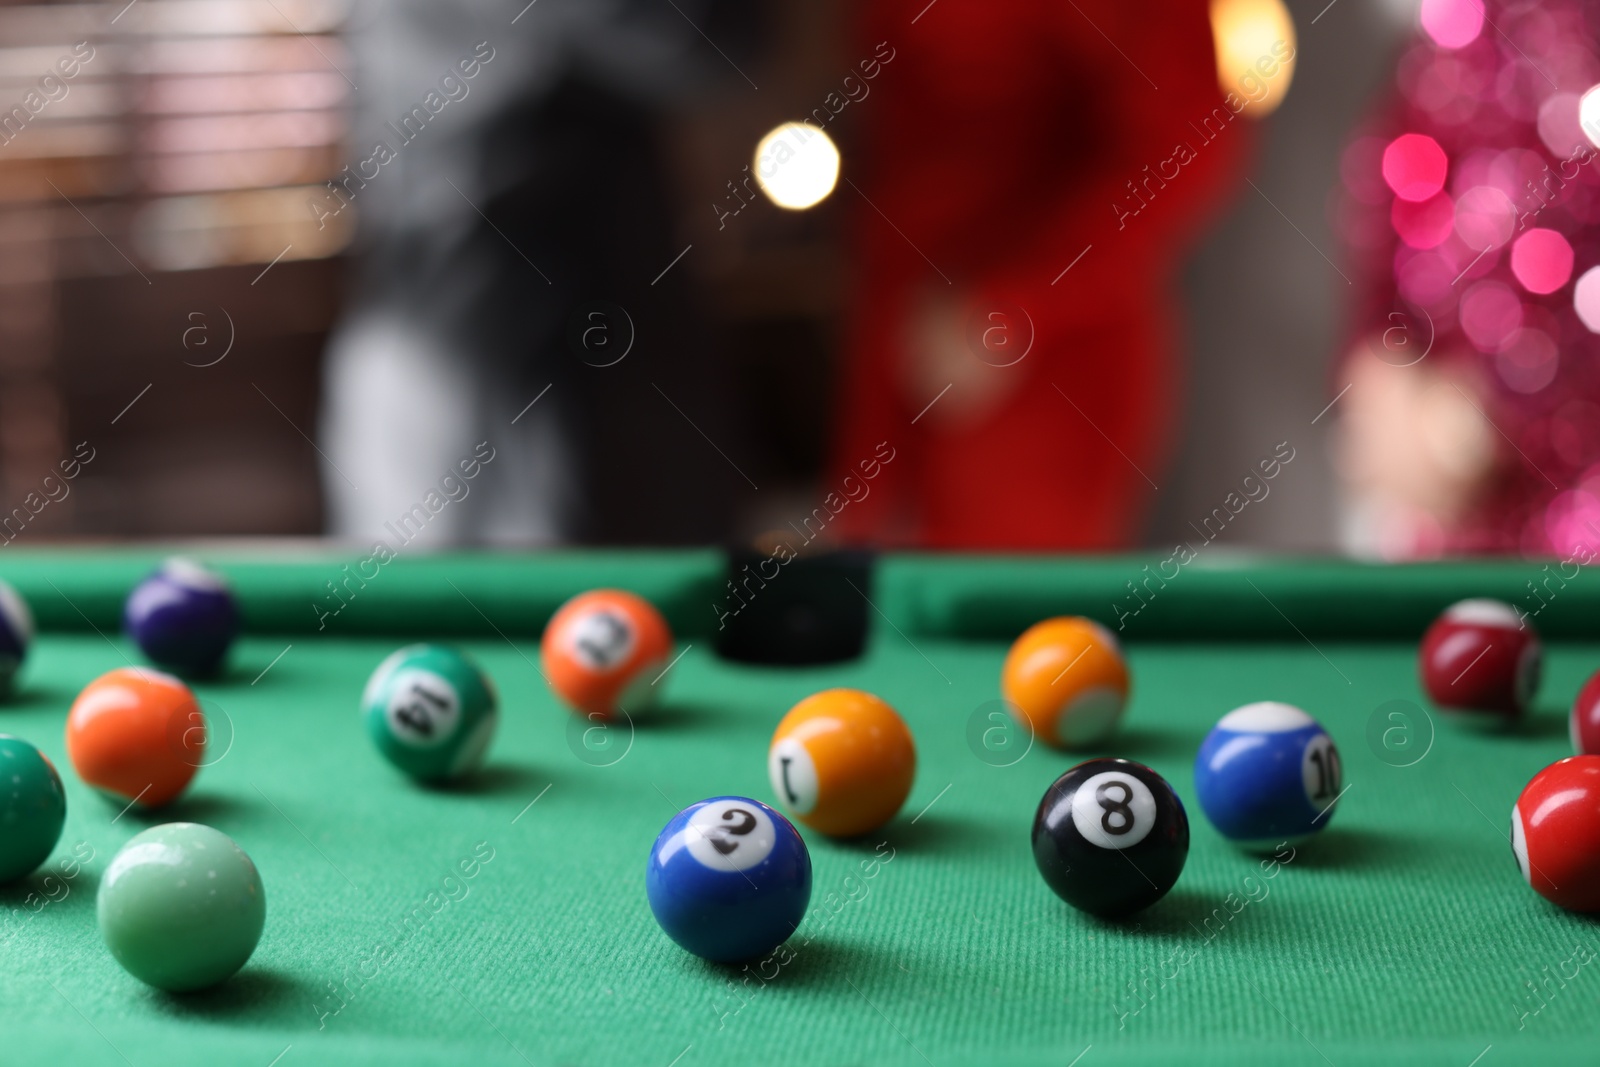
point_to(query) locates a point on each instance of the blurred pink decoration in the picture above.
(1490, 312)
(1572, 520)
(1473, 205)
(1485, 217)
(1414, 166)
(1586, 299)
(1424, 224)
(1542, 261)
(1452, 23)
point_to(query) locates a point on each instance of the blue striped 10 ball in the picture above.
(1267, 773)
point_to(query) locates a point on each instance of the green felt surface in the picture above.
(332, 593)
(1403, 935)
(1223, 596)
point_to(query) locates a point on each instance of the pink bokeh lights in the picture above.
(1541, 260)
(1452, 23)
(1426, 223)
(1414, 166)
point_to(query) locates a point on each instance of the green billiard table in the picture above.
(505, 922)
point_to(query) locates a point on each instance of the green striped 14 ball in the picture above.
(431, 711)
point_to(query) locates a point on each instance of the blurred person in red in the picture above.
(1472, 420)
(1030, 175)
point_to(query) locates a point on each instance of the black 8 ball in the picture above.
(1110, 837)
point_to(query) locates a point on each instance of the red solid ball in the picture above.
(1555, 833)
(1585, 720)
(1481, 656)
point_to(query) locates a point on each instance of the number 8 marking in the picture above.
(1114, 809)
(1119, 807)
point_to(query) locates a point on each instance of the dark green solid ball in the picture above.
(33, 808)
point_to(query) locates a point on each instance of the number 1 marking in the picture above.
(787, 788)
(431, 697)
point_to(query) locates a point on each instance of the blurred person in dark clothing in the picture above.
(508, 177)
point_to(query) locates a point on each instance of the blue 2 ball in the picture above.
(1267, 773)
(729, 879)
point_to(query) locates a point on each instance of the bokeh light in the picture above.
(1485, 217)
(1586, 299)
(1570, 522)
(1452, 23)
(1559, 126)
(1575, 432)
(1489, 313)
(1589, 114)
(1528, 361)
(1414, 166)
(1252, 39)
(1541, 259)
(1425, 224)
(1424, 278)
(797, 165)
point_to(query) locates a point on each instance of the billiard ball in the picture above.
(431, 711)
(1065, 679)
(16, 634)
(181, 907)
(842, 762)
(1481, 656)
(183, 617)
(136, 735)
(1267, 774)
(1555, 833)
(604, 650)
(1110, 837)
(33, 808)
(1584, 723)
(729, 879)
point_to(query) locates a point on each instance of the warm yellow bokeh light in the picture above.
(797, 165)
(1255, 51)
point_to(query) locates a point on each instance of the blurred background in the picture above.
(290, 268)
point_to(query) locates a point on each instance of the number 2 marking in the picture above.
(1119, 807)
(605, 648)
(719, 834)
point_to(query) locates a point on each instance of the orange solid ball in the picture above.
(604, 650)
(842, 762)
(1065, 678)
(137, 734)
